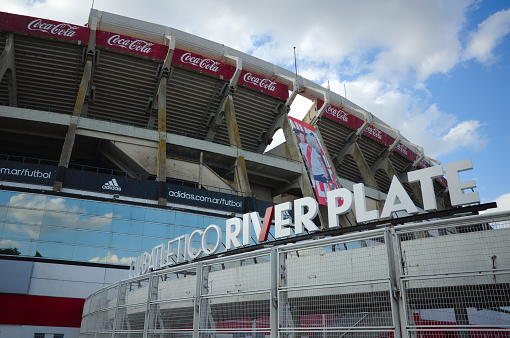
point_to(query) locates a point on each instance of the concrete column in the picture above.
(241, 174)
(65, 155)
(361, 163)
(8, 68)
(161, 159)
(83, 91)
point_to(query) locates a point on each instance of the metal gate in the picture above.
(434, 279)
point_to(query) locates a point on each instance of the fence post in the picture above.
(394, 274)
(198, 291)
(274, 292)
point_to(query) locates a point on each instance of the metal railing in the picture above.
(432, 279)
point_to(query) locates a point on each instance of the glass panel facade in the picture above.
(84, 230)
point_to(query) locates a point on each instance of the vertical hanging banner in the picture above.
(315, 159)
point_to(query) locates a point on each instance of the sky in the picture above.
(436, 70)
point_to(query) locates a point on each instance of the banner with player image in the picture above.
(315, 159)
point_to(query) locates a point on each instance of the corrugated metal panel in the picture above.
(48, 72)
(191, 98)
(370, 149)
(399, 162)
(334, 135)
(383, 182)
(349, 170)
(411, 194)
(4, 91)
(123, 86)
(255, 112)
(3, 36)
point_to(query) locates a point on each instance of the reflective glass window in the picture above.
(60, 219)
(55, 250)
(97, 208)
(122, 211)
(138, 213)
(21, 231)
(94, 238)
(120, 241)
(65, 204)
(5, 197)
(53, 234)
(89, 254)
(31, 201)
(158, 230)
(124, 226)
(94, 223)
(180, 231)
(124, 257)
(159, 216)
(149, 243)
(25, 248)
(3, 212)
(28, 216)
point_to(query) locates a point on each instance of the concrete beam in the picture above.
(219, 116)
(161, 158)
(241, 174)
(361, 163)
(8, 69)
(281, 111)
(79, 106)
(267, 138)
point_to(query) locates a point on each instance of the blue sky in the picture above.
(436, 70)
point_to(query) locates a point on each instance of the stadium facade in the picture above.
(122, 136)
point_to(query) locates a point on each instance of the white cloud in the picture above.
(384, 51)
(490, 32)
(113, 259)
(503, 202)
(420, 122)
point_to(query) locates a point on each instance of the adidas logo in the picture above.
(111, 185)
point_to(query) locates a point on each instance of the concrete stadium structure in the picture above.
(117, 136)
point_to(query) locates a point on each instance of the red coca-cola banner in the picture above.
(406, 152)
(337, 114)
(425, 164)
(267, 86)
(131, 45)
(202, 63)
(44, 27)
(378, 135)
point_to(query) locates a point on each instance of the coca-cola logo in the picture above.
(402, 148)
(134, 45)
(262, 83)
(203, 63)
(374, 132)
(338, 113)
(61, 29)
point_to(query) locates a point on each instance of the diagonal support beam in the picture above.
(281, 111)
(8, 69)
(79, 106)
(219, 116)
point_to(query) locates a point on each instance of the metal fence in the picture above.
(433, 279)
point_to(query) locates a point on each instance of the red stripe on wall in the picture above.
(40, 310)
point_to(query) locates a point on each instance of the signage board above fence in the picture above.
(44, 27)
(205, 198)
(27, 172)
